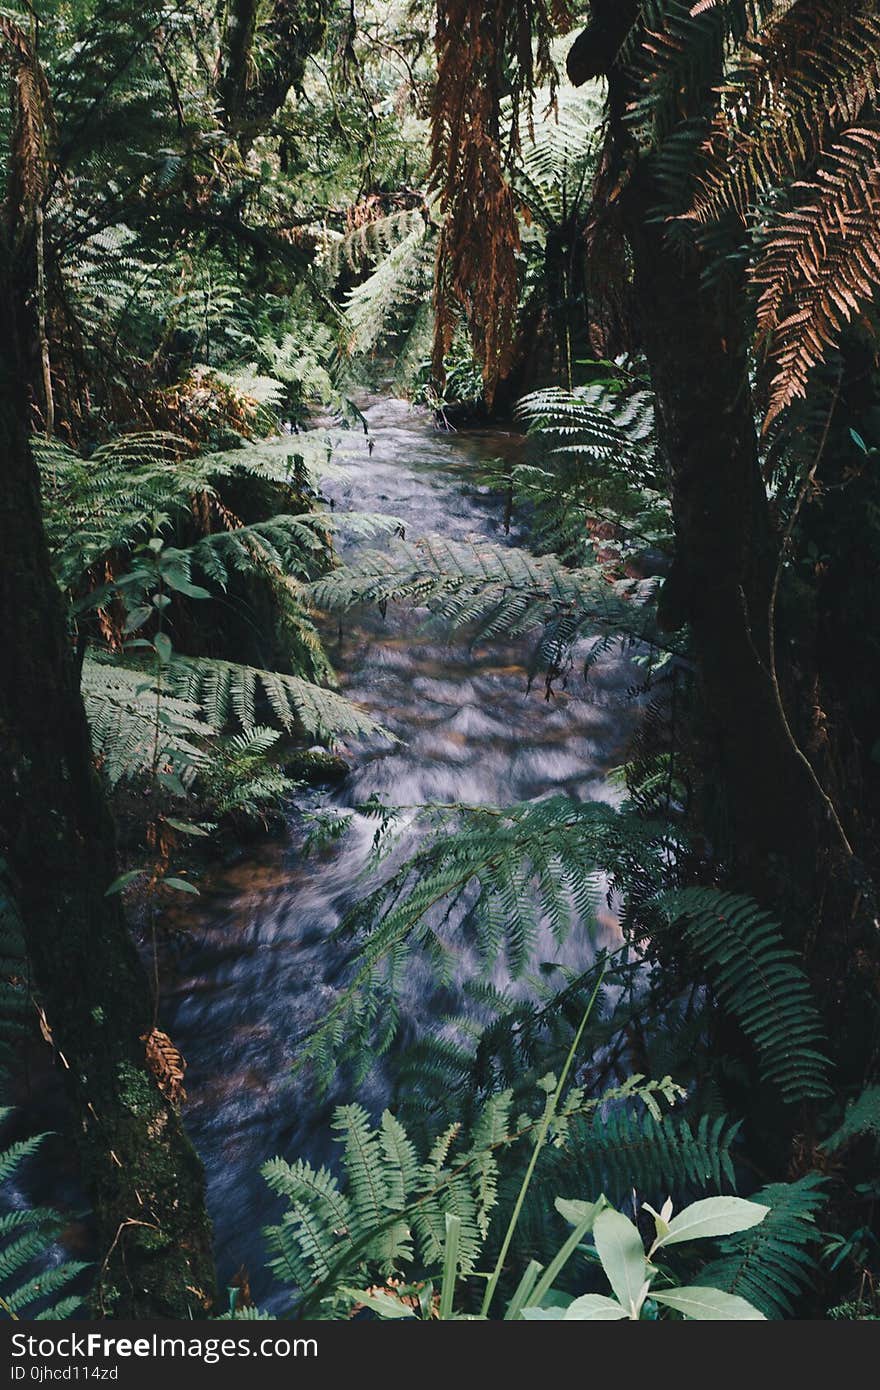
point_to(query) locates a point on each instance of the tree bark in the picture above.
(139, 1170)
(769, 820)
(726, 549)
(250, 96)
(779, 834)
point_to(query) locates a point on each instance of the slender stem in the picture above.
(45, 357)
(539, 1145)
(808, 482)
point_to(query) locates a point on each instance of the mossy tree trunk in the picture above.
(139, 1170)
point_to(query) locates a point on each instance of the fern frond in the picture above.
(771, 1264)
(27, 1241)
(861, 1118)
(230, 693)
(802, 76)
(391, 1219)
(759, 981)
(818, 266)
(397, 287)
(497, 875)
(620, 1150)
(121, 706)
(493, 589)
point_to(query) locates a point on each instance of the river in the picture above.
(254, 970)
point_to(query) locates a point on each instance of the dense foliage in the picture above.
(645, 235)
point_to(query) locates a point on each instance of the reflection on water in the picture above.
(255, 971)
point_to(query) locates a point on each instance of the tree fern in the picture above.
(759, 982)
(392, 294)
(557, 156)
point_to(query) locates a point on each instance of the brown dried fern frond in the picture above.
(487, 50)
(32, 121)
(799, 114)
(166, 1064)
(820, 263)
(803, 77)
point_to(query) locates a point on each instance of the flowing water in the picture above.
(255, 969)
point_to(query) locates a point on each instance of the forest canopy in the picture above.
(441, 498)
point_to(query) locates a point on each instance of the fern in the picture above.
(595, 460)
(861, 1119)
(798, 119)
(395, 1204)
(759, 982)
(27, 1242)
(230, 693)
(392, 294)
(676, 47)
(121, 706)
(492, 590)
(389, 1216)
(31, 1275)
(487, 878)
(772, 1264)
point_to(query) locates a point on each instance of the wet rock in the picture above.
(316, 767)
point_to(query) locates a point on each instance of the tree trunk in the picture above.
(726, 550)
(251, 93)
(139, 1170)
(769, 821)
(774, 826)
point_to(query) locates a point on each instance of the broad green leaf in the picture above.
(595, 1307)
(186, 827)
(709, 1305)
(123, 881)
(172, 782)
(162, 644)
(542, 1314)
(576, 1213)
(181, 585)
(181, 885)
(620, 1249)
(137, 618)
(381, 1303)
(715, 1216)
